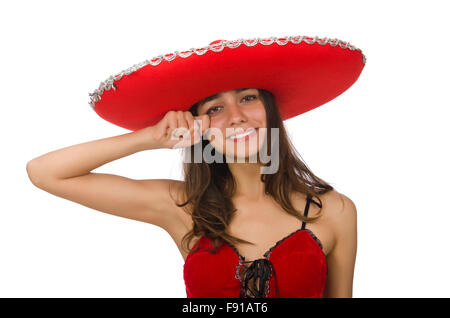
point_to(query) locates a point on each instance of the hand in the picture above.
(178, 129)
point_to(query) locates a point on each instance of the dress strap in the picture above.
(308, 201)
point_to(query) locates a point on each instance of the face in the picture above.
(236, 112)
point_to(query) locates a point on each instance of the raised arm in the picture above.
(67, 173)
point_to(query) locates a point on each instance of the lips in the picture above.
(239, 135)
(244, 136)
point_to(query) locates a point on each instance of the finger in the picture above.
(205, 123)
(194, 128)
(172, 122)
(202, 122)
(190, 120)
(182, 123)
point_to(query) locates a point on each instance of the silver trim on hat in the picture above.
(218, 47)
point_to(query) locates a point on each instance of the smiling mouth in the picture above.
(243, 136)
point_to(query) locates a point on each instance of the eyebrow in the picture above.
(210, 98)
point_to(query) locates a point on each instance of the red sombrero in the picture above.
(302, 73)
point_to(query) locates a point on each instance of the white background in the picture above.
(383, 143)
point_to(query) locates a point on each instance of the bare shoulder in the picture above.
(340, 212)
(337, 205)
(337, 208)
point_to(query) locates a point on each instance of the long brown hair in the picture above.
(209, 187)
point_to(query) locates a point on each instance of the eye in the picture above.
(254, 96)
(209, 110)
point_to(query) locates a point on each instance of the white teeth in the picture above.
(242, 135)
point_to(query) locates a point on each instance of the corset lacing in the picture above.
(261, 269)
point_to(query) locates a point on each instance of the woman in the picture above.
(226, 217)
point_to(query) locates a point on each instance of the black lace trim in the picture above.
(289, 235)
(315, 238)
(279, 242)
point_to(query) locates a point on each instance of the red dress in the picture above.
(295, 267)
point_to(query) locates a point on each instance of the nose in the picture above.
(236, 115)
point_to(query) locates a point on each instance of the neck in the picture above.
(248, 180)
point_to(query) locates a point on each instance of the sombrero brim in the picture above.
(302, 73)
